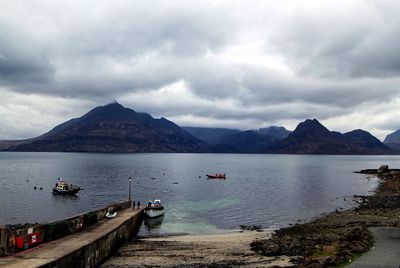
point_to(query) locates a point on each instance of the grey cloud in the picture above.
(360, 41)
(391, 124)
(103, 56)
(22, 62)
(105, 82)
(140, 29)
(257, 85)
(338, 60)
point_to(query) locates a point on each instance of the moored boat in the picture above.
(64, 188)
(110, 215)
(154, 209)
(216, 176)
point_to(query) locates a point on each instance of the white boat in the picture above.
(154, 209)
(110, 215)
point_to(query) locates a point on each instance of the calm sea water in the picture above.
(267, 190)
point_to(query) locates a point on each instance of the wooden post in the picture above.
(130, 187)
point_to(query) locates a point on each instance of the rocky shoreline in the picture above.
(341, 236)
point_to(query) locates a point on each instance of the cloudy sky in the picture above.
(240, 64)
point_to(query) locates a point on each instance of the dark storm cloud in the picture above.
(108, 52)
(21, 62)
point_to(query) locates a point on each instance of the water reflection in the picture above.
(153, 223)
(267, 190)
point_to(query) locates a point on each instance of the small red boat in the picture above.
(216, 176)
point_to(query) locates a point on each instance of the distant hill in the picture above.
(210, 135)
(8, 143)
(393, 137)
(249, 142)
(393, 140)
(279, 133)
(311, 137)
(233, 140)
(113, 128)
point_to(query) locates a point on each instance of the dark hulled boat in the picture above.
(216, 176)
(64, 188)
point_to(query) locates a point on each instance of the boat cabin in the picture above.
(63, 186)
(153, 204)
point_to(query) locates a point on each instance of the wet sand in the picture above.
(215, 250)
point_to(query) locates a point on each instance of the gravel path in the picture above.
(385, 251)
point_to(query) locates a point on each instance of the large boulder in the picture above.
(383, 169)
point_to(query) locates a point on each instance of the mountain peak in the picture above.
(114, 101)
(113, 104)
(311, 137)
(311, 122)
(114, 128)
(311, 126)
(274, 131)
(107, 109)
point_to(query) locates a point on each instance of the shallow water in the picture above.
(268, 190)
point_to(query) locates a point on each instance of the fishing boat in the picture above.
(216, 176)
(64, 188)
(154, 209)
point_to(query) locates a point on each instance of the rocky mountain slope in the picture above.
(311, 137)
(233, 140)
(211, 135)
(393, 140)
(279, 133)
(113, 128)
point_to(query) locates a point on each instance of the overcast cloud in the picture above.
(239, 64)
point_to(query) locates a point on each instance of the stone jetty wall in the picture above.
(17, 238)
(96, 252)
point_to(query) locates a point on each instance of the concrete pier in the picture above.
(88, 248)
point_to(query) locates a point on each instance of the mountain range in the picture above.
(311, 137)
(113, 128)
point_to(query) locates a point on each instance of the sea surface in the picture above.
(268, 190)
